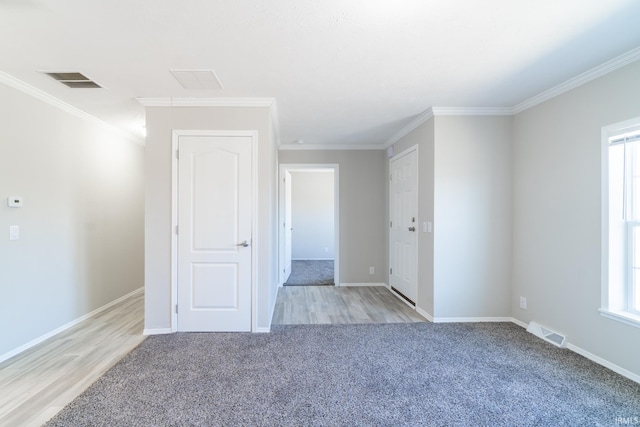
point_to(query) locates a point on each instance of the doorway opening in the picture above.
(309, 225)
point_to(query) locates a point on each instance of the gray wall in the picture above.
(161, 121)
(81, 227)
(312, 214)
(464, 189)
(556, 200)
(472, 224)
(361, 209)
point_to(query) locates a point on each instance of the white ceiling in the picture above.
(350, 72)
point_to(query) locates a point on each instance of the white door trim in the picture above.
(418, 230)
(293, 167)
(404, 153)
(175, 139)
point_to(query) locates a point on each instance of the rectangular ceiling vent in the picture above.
(198, 79)
(74, 80)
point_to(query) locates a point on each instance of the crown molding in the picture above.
(324, 147)
(445, 111)
(220, 102)
(472, 111)
(206, 102)
(579, 80)
(275, 122)
(423, 117)
(33, 91)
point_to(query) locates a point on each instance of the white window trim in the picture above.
(628, 317)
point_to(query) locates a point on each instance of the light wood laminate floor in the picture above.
(333, 304)
(37, 383)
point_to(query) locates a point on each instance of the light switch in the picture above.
(14, 232)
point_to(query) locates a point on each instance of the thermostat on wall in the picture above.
(14, 202)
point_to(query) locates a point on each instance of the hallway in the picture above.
(340, 305)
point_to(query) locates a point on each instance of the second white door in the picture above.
(287, 225)
(403, 225)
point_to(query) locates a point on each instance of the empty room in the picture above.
(289, 213)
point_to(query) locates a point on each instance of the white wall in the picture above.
(556, 200)
(361, 203)
(160, 123)
(312, 208)
(81, 227)
(472, 219)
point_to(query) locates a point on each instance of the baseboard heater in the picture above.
(548, 335)
(404, 297)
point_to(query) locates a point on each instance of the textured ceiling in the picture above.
(347, 72)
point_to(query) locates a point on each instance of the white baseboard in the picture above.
(470, 319)
(312, 259)
(363, 284)
(263, 330)
(519, 322)
(605, 363)
(424, 314)
(66, 326)
(597, 359)
(157, 331)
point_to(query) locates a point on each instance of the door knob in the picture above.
(412, 229)
(244, 244)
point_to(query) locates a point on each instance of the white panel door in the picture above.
(403, 213)
(214, 233)
(288, 226)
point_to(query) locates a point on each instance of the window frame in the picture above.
(617, 300)
(630, 285)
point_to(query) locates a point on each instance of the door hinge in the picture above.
(176, 229)
(391, 224)
(391, 271)
(178, 154)
(176, 308)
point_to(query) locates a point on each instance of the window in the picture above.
(621, 222)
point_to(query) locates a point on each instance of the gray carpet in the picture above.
(311, 273)
(417, 374)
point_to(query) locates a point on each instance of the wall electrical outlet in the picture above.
(523, 303)
(372, 270)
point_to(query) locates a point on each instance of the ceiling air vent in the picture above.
(74, 80)
(197, 79)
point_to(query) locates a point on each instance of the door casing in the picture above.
(292, 167)
(175, 145)
(417, 222)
